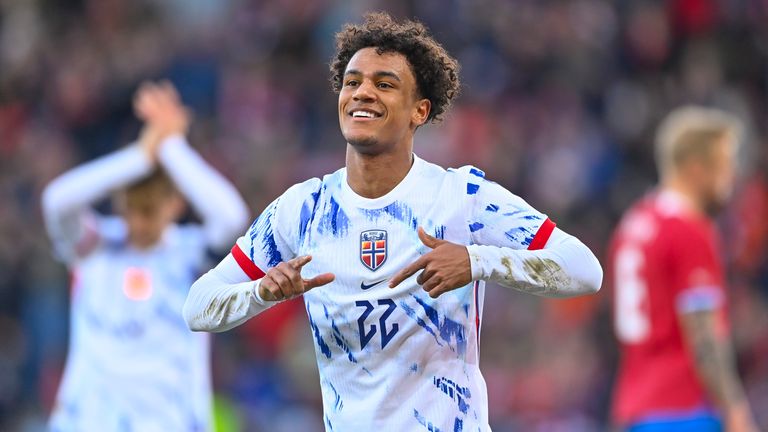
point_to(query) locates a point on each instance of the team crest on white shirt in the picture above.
(373, 248)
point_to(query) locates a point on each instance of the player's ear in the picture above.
(421, 112)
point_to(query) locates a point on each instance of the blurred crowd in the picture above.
(559, 104)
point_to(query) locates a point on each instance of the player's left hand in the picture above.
(444, 268)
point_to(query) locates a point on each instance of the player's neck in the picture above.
(685, 192)
(373, 176)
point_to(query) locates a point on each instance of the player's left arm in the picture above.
(512, 244)
(700, 302)
(220, 206)
(715, 364)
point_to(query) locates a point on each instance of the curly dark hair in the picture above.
(436, 72)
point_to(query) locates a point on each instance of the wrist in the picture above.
(477, 262)
(170, 145)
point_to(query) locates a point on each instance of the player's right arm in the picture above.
(261, 270)
(699, 299)
(66, 201)
(226, 297)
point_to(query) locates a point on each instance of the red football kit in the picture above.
(664, 262)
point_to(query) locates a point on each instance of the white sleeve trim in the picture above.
(698, 299)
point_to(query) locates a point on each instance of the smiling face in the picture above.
(379, 104)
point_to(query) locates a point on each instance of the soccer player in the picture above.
(677, 368)
(133, 364)
(402, 246)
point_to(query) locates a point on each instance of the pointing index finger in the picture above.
(408, 271)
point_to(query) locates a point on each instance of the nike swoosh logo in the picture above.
(364, 286)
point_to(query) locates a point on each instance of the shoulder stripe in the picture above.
(542, 235)
(245, 263)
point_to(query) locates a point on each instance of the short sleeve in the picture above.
(497, 217)
(698, 283)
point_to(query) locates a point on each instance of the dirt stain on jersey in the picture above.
(220, 308)
(546, 275)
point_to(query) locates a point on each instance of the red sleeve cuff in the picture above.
(245, 263)
(542, 235)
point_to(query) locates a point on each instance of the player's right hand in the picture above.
(284, 281)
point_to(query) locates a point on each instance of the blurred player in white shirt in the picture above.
(133, 365)
(403, 248)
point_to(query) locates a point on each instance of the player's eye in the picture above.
(384, 85)
(351, 83)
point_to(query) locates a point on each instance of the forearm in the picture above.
(565, 268)
(219, 301)
(66, 200)
(212, 196)
(94, 180)
(713, 359)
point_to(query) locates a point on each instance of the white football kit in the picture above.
(133, 365)
(395, 359)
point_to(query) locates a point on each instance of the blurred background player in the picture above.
(133, 365)
(678, 371)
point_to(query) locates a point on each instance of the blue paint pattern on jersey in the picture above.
(454, 391)
(449, 329)
(334, 220)
(338, 403)
(324, 348)
(520, 235)
(440, 232)
(307, 215)
(458, 425)
(339, 338)
(472, 188)
(477, 172)
(512, 213)
(423, 421)
(397, 210)
(412, 314)
(262, 227)
(475, 226)
(493, 208)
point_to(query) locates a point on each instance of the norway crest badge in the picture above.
(373, 248)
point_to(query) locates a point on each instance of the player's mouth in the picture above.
(363, 114)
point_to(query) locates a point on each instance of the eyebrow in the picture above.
(377, 74)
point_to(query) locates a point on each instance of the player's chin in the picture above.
(362, 142)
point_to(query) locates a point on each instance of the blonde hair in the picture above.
(691, 131)
(155, 187)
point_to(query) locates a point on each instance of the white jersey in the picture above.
(133, 365)
(392, 359)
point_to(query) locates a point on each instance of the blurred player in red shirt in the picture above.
(677, 369)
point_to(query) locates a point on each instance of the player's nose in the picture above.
(364, 92)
